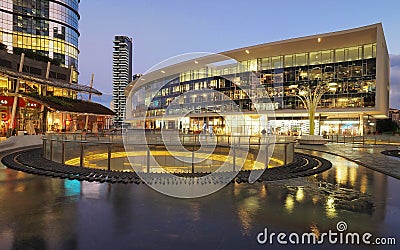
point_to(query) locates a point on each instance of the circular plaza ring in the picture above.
(31, 161)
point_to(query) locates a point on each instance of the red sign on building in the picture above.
(22, 103)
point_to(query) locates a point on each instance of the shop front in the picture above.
(27, 114)
(72, 122)
(341, 127)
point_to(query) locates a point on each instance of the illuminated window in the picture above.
(301, 59)
(265, 63)
(315, 58)
(368, 51)
(277, 62)
(289, 61)
(339, 55)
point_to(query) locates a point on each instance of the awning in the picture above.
(58, 84)
(64, 104)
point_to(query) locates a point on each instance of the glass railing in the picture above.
(185, 153)
(369, 139)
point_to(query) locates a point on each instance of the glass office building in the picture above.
(47, 27)
(352, 64)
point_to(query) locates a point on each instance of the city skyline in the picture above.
(170, 29)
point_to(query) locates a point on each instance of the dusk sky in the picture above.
(162, 29)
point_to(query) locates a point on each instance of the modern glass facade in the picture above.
(47, 27)
(356, 87)
(349, 72)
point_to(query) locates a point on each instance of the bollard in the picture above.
(353, 139)
(44, 148)
(344, 139)
(109, 157)
(51, 149)
(193, 160)
(363, 139)
(285, 157)
(234, 159)
(148, 160)
(375, 139)
(266, 155)
(82, 155)
(63, 152)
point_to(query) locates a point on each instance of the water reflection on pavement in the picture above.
(46, 213)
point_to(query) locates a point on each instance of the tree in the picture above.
(310, 97)
(3, 46)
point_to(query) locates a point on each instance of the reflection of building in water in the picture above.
(379, 189)
(349, 175)
(353, 64)
(298, 201)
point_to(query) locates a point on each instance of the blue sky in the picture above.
(162, 29)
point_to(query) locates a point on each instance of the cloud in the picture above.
(394, 81)
(394, 61)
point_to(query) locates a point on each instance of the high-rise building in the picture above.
(38, 62)
(45, 28)
(122, 75)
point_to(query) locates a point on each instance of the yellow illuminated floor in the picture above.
(96, 160)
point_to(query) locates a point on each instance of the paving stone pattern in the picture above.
(369, 156)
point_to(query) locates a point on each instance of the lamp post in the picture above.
(310, 97)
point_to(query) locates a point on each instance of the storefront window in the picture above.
(277, 62)
(253, 65)
(327, 56)
(265, 63)
(315, 58)
(301, 59)
(4, 86)
(315, 73)
(58, 92)
(339, 55)
(351, 54)
(289, 61)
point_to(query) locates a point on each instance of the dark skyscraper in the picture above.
(122, 75)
